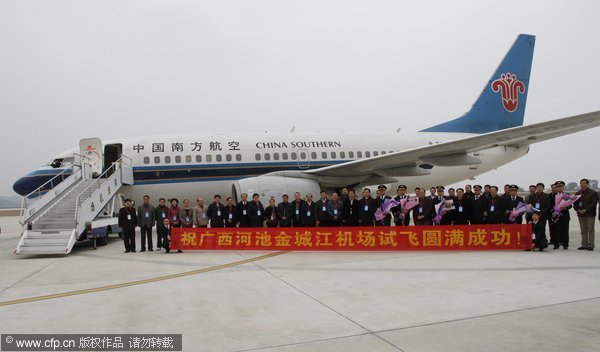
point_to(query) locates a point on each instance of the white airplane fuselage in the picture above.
(202, 165)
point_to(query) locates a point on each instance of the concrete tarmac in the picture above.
(303, 301)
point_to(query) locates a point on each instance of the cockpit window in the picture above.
(56, 163)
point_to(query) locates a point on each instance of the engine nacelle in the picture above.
(274, 186)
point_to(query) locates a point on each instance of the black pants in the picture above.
(146, 233)
(160, 232)
(129, 239)
(561, 233)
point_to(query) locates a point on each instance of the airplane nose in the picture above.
(23, 186)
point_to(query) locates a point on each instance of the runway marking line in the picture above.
(138, 282)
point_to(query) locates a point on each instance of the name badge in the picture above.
(174, 218)
(187, 219)
(244, 212)
(218, 213)
(258, 213)
(581, 204)
(324, 208)
(420, 209)
(350, 211)
(537, 205)
(147, 214)
(204, 215)
(460, 209)
(297, 211)
(334, 211)
(128, 217)
(164, 215)
(308, 213)
(533, 236)
(366, 208)
(492, 208)
(230, 216)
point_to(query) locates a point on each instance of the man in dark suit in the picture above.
(541, 201)
(257, 212)
(216, 212)
(322, 212)
(513, 201)
(243, 211)
(296, 207)
(397, 211)
(478, 206)
(496, 207)
(350, 210)
(284, 212)
(309, 212)
(560, 235)
(230, 213)
(538, 232)
(366, 209)
(381, 198)
(462, 209)
(128, 222)
(422, 213)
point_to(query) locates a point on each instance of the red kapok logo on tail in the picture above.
(510, 88)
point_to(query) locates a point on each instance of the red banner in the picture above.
(408, 238)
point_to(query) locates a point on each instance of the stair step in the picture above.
(48, 249)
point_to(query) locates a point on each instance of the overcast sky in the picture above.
(75, 69)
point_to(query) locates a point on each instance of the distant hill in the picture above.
(7, 202)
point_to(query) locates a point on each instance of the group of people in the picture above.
(471, 205)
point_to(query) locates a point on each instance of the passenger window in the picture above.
(359, 154)
(219, 157)
(284, 156)
(257, 156)
(198, 158)
(343, 155)
(228, 157)
(208, 158)
(146, 160)
(351, 155)
(238, 157)
(313, 155)
(178, 159)
(383, 152)
(188, 158)
(368, 154)
(267, 156)
(294, 156)
(324, 155)
(157, 159)
(333, 155)
(303, 156)
(167, 159)
(275, 156)
(375, 153)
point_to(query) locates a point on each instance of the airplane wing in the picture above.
(458, 152)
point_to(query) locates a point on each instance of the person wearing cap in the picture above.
(478, 206)
(335, 210)
(322, 214)
(350, 210)
(512, 202)
(216, 212)
(397, 210)
(585, 207)
(559, 230)
(541, 201)
(495, 207)
(538, 232)
(439, 197)
(423, 212)
(366, 209)
(461, 215)
(284, 212)
(381, 198)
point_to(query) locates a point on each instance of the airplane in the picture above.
(489, 135)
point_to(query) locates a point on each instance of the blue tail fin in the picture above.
(502, 103)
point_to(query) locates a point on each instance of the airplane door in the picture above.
(303, 159)
(92, 148)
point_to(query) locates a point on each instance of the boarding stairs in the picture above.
(57, 215)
